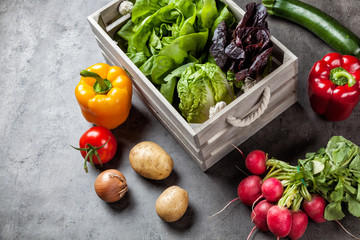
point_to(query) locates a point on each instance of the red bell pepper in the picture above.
(334, 86)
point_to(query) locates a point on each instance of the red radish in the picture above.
(272, 189)
(315, 208)
(279, 221)
(258, 215)
(249, 189)
(256, 162)
(299, 224)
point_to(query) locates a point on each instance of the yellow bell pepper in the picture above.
(104, 94)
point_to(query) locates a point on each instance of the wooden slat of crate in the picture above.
(110, 59)
(229, 131)
(241, 106)
(237, 11)
(191, 149)
(242, 136)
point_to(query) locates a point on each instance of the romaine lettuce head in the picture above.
(222, 89)
(200, 87)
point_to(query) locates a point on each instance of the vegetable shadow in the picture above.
(185, 222)
(122, 204)
(113, 163)
(130, 131)
(171, 180)
(127, 134)
(296, 133)
(288, 137)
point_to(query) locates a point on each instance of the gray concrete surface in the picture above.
(44, 192)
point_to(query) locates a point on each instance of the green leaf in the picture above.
(321, 179)
(209, 13)
(168, 88)
(155, 43)
(222, 90)
(339, 154)
(144, 8)
(353, 205)
(321, 151)
(162, 66)
(176, 53)
(225, 15)
(325, 190)
(341, 151)
(201, 87)
(142, 31)
(138, 58)
(310, 155)
(126, 31)
(350, 188)
(317, 166)
(333, 211)
(355, 166)
(148, 66)
(338, 193)
(307, 165)
(196, 95)
(188, 26)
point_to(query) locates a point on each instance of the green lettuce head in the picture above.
(200, 87)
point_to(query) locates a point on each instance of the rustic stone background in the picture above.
(44, 192)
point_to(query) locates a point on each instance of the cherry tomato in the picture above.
(97, 146)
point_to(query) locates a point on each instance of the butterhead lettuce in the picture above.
(169, 40)
(200, 87)
(162, 35)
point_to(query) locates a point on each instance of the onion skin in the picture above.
(111, 185)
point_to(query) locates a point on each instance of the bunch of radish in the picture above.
(276, 201)
(285, 197)
(269, 213)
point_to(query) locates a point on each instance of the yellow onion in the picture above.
(111, 185)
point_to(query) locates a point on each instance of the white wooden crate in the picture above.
(209, 142)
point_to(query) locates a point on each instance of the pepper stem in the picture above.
(340, 76)
(102, 86)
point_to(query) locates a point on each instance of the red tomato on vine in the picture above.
(97, 146)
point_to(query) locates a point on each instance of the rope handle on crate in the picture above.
(254, 115)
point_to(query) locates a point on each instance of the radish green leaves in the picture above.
(333, 172)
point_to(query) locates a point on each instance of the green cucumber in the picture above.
(336, 35)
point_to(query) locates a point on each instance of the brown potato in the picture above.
(172, 204)
(149, 160)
